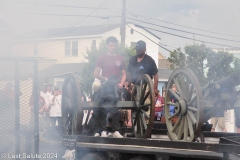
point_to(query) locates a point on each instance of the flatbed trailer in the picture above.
(226, 146)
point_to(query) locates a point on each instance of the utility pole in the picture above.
(123, 23)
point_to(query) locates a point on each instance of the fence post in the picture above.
(17, 110)
(36, 107)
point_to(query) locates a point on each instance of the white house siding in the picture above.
(54, 48)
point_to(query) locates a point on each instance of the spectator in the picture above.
(49, 89)
(164, 93)
(173, 99)
(55, 109)
(158, 105)
(41, 110)
(218, 118)
(45, 94)
(237, 116)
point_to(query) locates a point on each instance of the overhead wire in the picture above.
(184, 36)
(57, 5)
(149, 39)
(47, 48)
(149, 18)
(62, 15)
(184, 31)
(83, 18)
(189, 15)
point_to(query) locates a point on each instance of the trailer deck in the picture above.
(217, 146)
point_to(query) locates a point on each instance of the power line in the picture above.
(175, 10)
(84, 18)
(47, 48)
(150, 39)
(56, 5)
(184, 36)
(184, 31)
(61, 15)
(135, 15)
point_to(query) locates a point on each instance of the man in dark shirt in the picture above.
(143, 64)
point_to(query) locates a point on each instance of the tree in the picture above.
(177, 59)
(207, 65)
(91, 55)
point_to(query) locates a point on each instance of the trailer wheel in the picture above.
(72, 105)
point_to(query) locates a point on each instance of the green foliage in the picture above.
(177, 59)
(91, 56)
(219, 65)
(206, 64)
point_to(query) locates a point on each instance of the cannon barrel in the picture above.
(225, 84)
(230, 81)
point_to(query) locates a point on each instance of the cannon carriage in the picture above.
(142, 106)
(193, 107)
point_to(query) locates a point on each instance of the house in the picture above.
(67, 45)
(5, 37)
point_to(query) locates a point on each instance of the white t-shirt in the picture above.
(46, 97)
(56, 110)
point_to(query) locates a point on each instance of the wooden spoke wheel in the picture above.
(188, 106)
(71, 105)
(144, 109)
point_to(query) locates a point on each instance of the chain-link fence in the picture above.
(18, 123)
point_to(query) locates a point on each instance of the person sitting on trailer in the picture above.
(142, 64)
(111, 66)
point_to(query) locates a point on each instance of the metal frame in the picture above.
(154, 147)
(17, 77)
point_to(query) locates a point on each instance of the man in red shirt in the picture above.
(109, 65)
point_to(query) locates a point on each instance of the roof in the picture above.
(68, 32)
(58, 69)
(164, 73)
(163, 63)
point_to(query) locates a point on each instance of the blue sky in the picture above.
(219, 16)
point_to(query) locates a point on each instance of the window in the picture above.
(71, 48)
(35, 49)
(74, 48)
(67, 48)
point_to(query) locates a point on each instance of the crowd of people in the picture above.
(49, 111)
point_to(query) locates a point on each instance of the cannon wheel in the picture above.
(71, 105)
(144, 110)
(188, 108)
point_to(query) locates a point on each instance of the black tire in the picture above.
(94, 156)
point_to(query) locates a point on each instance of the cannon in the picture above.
(193, 107)
(142, 106)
